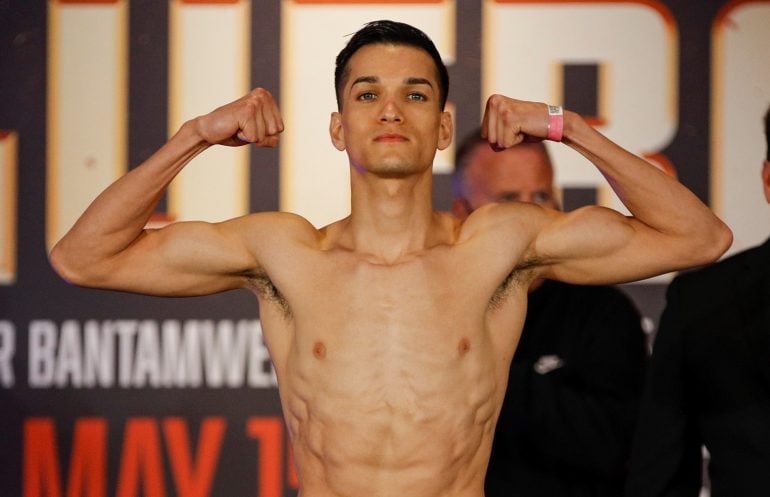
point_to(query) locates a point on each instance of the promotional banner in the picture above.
(111, 394)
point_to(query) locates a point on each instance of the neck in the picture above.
(392, 218)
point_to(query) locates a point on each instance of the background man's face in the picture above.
(521, 174)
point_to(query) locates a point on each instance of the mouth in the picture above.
(390, 138)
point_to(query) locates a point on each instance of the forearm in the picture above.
(118, 216)
(653, 197)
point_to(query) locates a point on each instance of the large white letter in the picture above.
(261, 371)
(87, 99)
(147, 356)
(125, 330)
(69, 359)
(633, 45)
(7, 351)
(181, 355)
(98, 355)
(224, 354)
(42, 348)
(740, 98)
(209, 66)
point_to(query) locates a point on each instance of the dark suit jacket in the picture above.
(565, 429)
(709, 384)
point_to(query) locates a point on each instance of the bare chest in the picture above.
(422, 294)
(421, 314)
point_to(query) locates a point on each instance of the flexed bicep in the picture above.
(597, 245)
(181, 259)
(670, 228)
(109, 245)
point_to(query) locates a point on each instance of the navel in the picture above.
(464, 346)
(319, 350)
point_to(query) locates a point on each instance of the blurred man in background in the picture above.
(570, 407)
(709, 381)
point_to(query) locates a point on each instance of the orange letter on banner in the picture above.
(88, 464)
(87, 477)
(141, 459)
(193, 478)
(268, 432)
(41, 461)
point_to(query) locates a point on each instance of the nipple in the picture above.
(319, 350)
(464, 346)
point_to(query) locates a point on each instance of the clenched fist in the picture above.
(253, 118)
(508, 122)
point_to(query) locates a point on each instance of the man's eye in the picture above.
(541, 198)
(367, 95)
(508, 197)
(416, 97)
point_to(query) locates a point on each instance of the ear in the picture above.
(445, 131)
(766, 179)
(336, 131)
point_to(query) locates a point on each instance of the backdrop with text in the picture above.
(104, 393)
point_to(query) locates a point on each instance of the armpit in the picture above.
(520, 275)
(513, 279)
(528, 263)
(265, 288)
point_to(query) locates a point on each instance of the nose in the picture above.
(390, 112)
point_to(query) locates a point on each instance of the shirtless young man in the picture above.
(391, 330)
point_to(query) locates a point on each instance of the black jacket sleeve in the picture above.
(666, 455)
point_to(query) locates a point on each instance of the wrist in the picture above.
(190, 132)
(576, 130)
(555, 123)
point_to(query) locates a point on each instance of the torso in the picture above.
(391, 376)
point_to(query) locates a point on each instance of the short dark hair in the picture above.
(393, 33)
(767, 133)
(465, 150)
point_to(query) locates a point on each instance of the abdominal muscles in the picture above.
(380, 415)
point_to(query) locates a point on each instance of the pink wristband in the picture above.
(555, 122)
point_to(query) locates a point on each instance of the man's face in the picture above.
(520, 173)
(390, 123)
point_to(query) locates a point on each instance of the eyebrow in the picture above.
(365, 79)
(409, 81)
(419, 81)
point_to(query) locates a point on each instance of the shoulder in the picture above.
(505, 232)
(269, 236)
(274, 224)
(502, 218)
